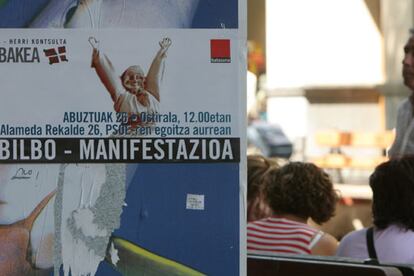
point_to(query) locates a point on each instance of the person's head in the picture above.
(257, 167)
(408, 62)
(392, 184)
(303, 190)
(133, 79)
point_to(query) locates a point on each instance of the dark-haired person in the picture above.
(295, 192)
(392, 184)
(257, 167)
(404, 139)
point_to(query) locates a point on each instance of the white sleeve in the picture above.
(107, 74)
(400, 130)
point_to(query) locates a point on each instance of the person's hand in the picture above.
(94, 42)
(165, 43)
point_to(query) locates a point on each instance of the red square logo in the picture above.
(220, 50)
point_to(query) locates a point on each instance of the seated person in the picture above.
(257, 167)
(295, 192)
(392, 184)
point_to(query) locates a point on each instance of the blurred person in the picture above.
(296, 192)
(404, 140)
(392, 184)
(257, 167)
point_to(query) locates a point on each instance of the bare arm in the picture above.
(154, 77)
(106, 73)
(326, 246)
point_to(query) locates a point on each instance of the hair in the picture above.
(257, 167)
(392, 184)
(411, 97)
(135, 68)
(302, 189)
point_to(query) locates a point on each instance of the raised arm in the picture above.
(154, 76)
(106, 72)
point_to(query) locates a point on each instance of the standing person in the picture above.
(296, 192)
(392, 184)
(257, 167)
(133, 92)
(404, 140)
(143, 90)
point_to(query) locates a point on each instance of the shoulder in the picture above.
(258, 227)
(355, 235)
(151, 98)
(149, 94)
(122, 95)
(351, 240)
(404, 115)
(263, 221)
(404, 106)
(326, 246)
(395, 232)
(404, 103)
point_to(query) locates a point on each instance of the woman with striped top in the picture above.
(257, 166)
(296, 192)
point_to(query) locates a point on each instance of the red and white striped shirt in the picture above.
(279, 235)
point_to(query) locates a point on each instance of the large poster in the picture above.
(122, 137)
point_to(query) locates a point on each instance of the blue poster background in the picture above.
(209, 14)
(156, 217)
